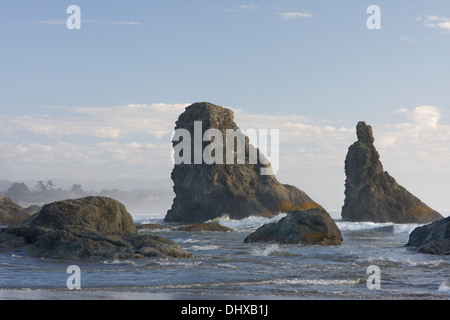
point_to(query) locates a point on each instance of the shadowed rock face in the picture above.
(310, 227)
(11, 213)
(371, 194)
(206, 191)
(433, 238)
(85, 229)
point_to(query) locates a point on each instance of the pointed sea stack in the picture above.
(207, 191)
(371, 194)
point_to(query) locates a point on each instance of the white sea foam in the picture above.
(432, 263)
(267, 251)
(322, 282)
(185, 264)
(204, 248)
(444, 287)
(190, 240)
(304, 282)
(360, 226)
(117, 261)
(252, 222)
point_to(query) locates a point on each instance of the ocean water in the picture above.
(226, 268)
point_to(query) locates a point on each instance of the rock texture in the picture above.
(87, 228)
(310, 227)
(433, 238)
(207, 191)
(210, 226)
(371, 194)
(11, 213)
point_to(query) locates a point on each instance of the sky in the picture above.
(100, 102)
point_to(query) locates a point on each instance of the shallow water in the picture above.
(226, 268)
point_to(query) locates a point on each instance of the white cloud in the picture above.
(248, 7)
(123, 23)
(60, 22)
(440, 23)
(105, 122)
(241, 7)
(51, 22)
(295, 15)
(114, 143)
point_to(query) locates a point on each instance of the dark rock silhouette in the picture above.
(433, 238)
(85, 229)
(209, 226)
(311, 227)
(371, 194)
(206, 191)
(11, 213)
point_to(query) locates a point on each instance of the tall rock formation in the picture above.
(206, 191)
(371, 194)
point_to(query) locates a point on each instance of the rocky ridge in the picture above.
(85, 229)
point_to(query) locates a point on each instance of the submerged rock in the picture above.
(11, 213)
(153, 226)
(86, 228)
(371, 194)
(310, 227)
(210, 226)
(206, 191)
(433, 238)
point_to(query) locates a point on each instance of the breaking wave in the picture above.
(388, 226)
(252, 222)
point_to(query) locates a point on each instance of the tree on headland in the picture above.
(17, 191)
(77, 189)
(41, 187)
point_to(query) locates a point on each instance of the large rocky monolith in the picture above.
(206, 191)
(371, 194)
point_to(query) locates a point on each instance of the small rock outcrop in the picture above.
(310, 227)
(84, 229)
(371, 194)
(210, 226)
(11, 213)
(433, 238)
(206, 191)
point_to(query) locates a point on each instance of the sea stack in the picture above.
(371, 194)
(205, 191)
